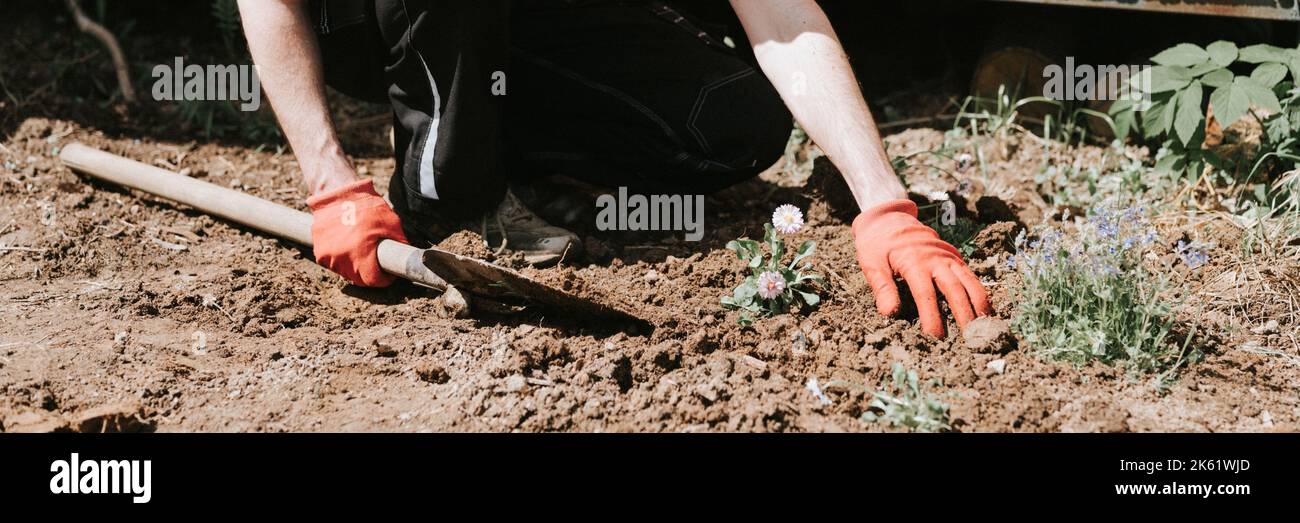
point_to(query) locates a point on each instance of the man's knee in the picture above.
(741, 122)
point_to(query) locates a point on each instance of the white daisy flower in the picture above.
(787, 219)
(770, 285)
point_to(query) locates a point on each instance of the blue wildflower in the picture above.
(1192, 254)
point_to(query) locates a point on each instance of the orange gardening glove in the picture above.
(891, 241)
(348, 223)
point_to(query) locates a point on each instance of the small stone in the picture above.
(1268, 328)
(516, 383)
(652, 276)
(999, 365)
(988, 335)
(120, 341)
(707, 392)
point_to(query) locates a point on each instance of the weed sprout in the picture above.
(904, 402)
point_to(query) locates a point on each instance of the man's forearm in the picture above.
(284, 47)
(800, 53)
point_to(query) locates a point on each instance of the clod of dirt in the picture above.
(383, 348)
(995, 239)
(452, 304)
(432, 373)
(994, 209)
(700, 342)
(988, 335)
(105, 419)
(111, 418)
(467, 243)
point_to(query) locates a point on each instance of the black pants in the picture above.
(489, 92)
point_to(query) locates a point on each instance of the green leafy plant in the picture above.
(1187, 76)
(1089, 293)
(773, 285)
(905, 402)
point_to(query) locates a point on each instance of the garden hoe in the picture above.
(433, 268)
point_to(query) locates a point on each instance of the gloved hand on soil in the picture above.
(891, 241)
(348, 223)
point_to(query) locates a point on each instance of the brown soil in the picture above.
(239, 332)
(125, 312)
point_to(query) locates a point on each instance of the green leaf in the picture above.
(1222, 53)
(745, 249)
(744, 293)
(1171, 163)
(1269, 74)
(810, 298)
(1189, 118)
(1278, 128)
(1199, 70)
(1229, 103)
(1166, 123)
(1183, 55)
(1168, 78)
(1260, 53)
(1258, 94)
(1218, 78)
(1154, 115)
(805, 250)
(1125, 118)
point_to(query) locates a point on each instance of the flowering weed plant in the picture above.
(1102, 291)
(772, 285)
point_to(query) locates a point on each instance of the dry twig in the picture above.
(92, 28)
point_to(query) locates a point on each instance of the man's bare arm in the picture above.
(284, 47)
(800, 53)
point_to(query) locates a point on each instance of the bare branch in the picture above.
(89, 26)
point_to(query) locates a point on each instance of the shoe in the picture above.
(561, 201)
(512, 226)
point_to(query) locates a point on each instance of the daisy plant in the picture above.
(773, 285)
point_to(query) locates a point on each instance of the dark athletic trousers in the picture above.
(491, 92)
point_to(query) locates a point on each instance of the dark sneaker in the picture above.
(512, 226)
(561, 201)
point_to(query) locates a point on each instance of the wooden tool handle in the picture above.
(396, 258)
